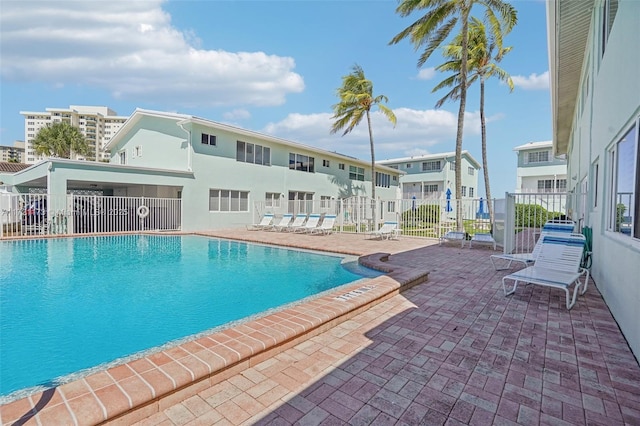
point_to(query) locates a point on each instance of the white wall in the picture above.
(612, 105)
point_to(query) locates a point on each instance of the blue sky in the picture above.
(268, 66)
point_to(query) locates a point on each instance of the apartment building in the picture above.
(225, 176)
(13, 153)
(429, 176)
(595, 96)
(538, 170)
(97, 123)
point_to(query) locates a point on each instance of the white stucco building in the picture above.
(97, 123)
(594, 56)
(538, 170)
(429, 176)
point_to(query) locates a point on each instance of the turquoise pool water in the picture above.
(71, 304)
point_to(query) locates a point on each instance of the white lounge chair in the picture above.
(557, 265)
(283, 224)
(453, 236)
(310, 225)
(263, 224)
(483, 238)
(551, 227)
(389, 229)
(298, 221)
(326, 227)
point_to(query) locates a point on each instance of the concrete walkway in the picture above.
(453, 350)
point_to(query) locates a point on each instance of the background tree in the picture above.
(355, 102)
(433, 28)
(484, 55)
(60, 140)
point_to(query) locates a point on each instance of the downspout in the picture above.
(190, 148)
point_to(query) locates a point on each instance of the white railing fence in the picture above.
(416, 217)
(41, 214)
(526, 213)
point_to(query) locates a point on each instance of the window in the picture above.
(123, 157)
(431, 187)
(464, 191)
(452, 165)
(561, 185)
(395, 178)
(325, 163)
(537, 157)
(471, 172)
(301, 162)
(594, 179)
(394, 166)
(429, 166)
(137, 151)
(625, 203)
(546, 185)
(225, 200)
(356, 173)
(407, 166)
(471, 191)
(341, 166)
(253, 153)
(208, 139)
(391, 206)
(610, 8)
(383, 180)
(325, 201)
(272, 199)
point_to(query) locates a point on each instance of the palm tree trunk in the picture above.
(463, 101)
(373, 174)
(485, 163)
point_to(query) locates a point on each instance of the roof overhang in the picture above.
(568, 24)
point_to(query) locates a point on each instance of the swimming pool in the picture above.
(68, 304)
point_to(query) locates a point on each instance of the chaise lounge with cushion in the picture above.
(565, 227)
(557, 265)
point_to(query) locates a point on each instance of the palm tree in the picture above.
(356, 99)
(60, 140)
(484, 56)
(433, 28)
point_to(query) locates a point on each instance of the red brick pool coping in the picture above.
(137, 389)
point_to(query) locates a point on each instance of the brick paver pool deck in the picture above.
(451, 350)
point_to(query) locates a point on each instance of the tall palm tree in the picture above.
(484, 55)
(60, 140)
(355, 101)
(433, 28)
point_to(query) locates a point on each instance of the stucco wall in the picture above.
(611, 107)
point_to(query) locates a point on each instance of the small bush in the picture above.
(426, 213)
(533, 215)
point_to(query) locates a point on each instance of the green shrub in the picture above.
(426, 213)
(533, 215)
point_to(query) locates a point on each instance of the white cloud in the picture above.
(426, 73)
(532, 82)
(416, 132)
(237, 114)
(131, 49)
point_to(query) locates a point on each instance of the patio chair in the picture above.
(453, 236)
(551, 227)
(557, 265)
(283, 224)
(388, 230)
(483, 238)
(326, 227)
(263, 224)
(298, 221)
(310, 225)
